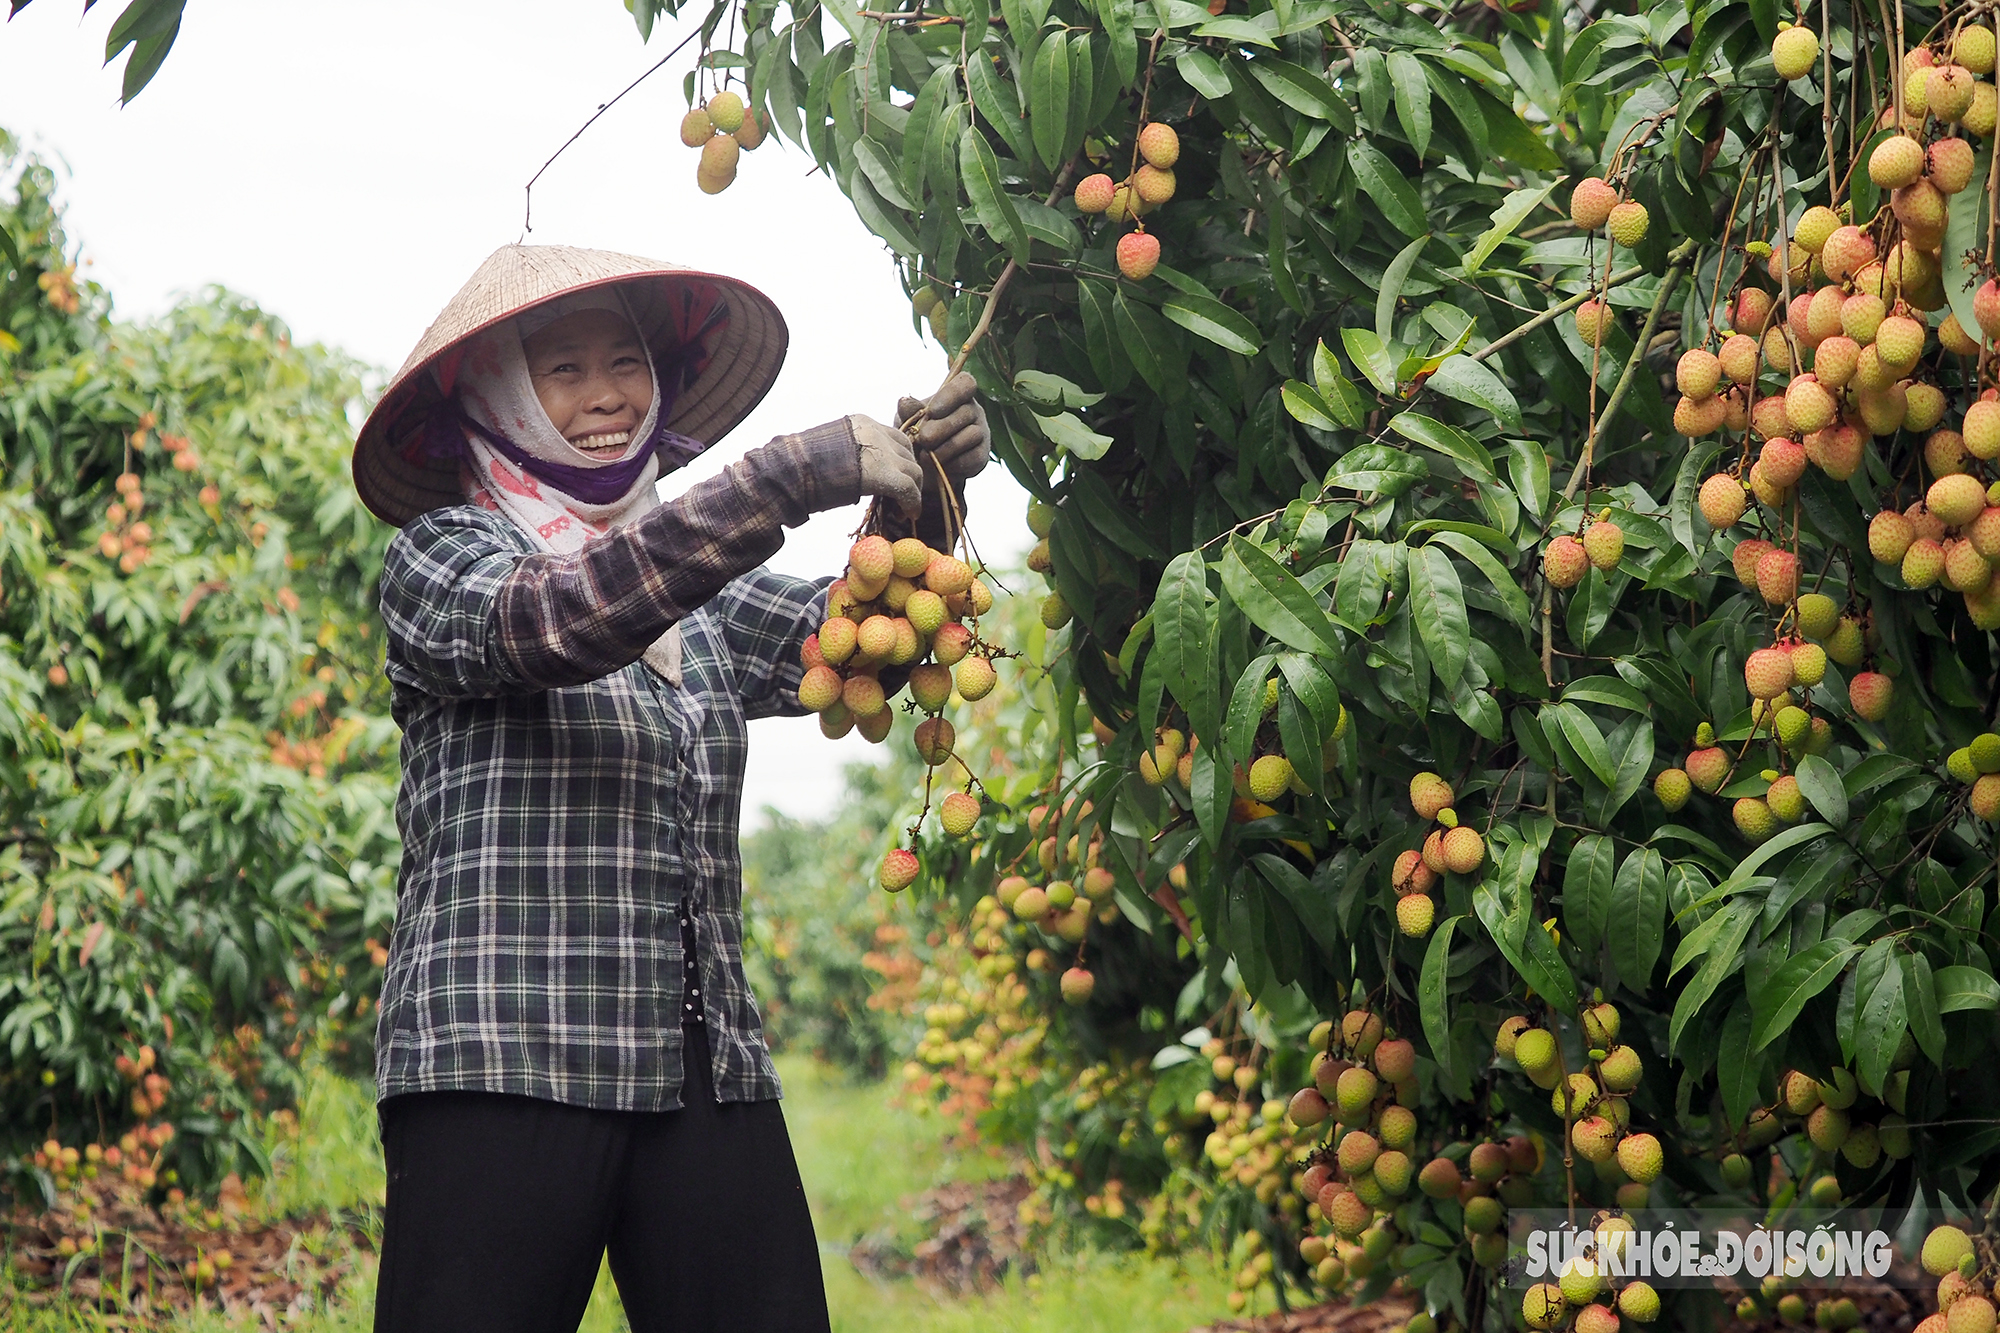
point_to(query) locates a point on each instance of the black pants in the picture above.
(500, 1209)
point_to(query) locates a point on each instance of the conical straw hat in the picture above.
(742, 348)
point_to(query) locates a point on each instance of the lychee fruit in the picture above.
(958, 813)
(1440, 1178)
(1835, 359)
(1899, 342)
(1738, 358)
(1949, 165)
(1628, 223)
(1846, 252)
(1411, 875)
(1949, 92)
(1870, 694)
(1699, 372)
(1595, 1138)
(1956, 499)
(1620, 1069)
(1593, 322)
(1429, 794)
(975, 679)
(1565, 562)
(1981, 430)
(1778, 577)
(1954, 339)
(1768, 673)
(1924, 406)
(820, 689)
(1093, 193)
(1159, 145)
(1708, 768)
(1641, 1157)
(1604, 544)
(1721, 500)
(696, 128)
(1750, 313)
(1896, 162)
(1754, 819)
(1078, 985)
(1837, 450)
(1673, 788)
(1269, 776)
(899, 869)
(1153, 185)
(1415, 914)
(1793, 52)
(1787, 802)
(1464, 850)
(1138, 255)
(1696, 417)
(1923, 563)
(1591, 202)
(1965, 569)
(1808, 405)
(1808, 663)
(725, 112)
(1744, 559)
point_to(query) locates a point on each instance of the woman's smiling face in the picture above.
(589, 371)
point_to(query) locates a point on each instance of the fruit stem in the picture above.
(1678, 264)
(1515, 335)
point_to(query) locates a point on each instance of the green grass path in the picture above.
(861, 1158)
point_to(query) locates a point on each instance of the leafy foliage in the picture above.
(197, 838)
(1303, 472)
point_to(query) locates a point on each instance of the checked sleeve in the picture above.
(470, 619)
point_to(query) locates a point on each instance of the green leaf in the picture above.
(1920, 999)
(1434, 992)
(1369, 355)
(1232, 29)
(1042, 389)
(922, 123)
(1386, 184)
(1211, 319)
(1583, 737)
(980, 171)
(1880, 1018)
(1048, 101)
(1305, 405)
(1276, 602)
(1723, 958)
(1148, 340)
(1736, 1068)
(1349, 408)
(1437, 603)
(1636, 927)
(1820, 782)
(1450, 441)
(1587, 891)
(1749, 865)
(1413, 99)
(1391, 291)
(881, 218)
(1204, 74)
(1183, 625)
(1513, 602)
(1513, 210)
(1067, 432)
(1609, 691)
(998, 103)
(1300, 89)
(1778, 1002)
(1965, 987)
(1471, 382)
(1963, 244)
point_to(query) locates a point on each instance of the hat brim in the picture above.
(742, 350)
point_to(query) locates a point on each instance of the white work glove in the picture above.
(953, 428)
(889, 468)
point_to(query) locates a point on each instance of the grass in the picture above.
(861, 1158)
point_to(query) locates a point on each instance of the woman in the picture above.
(569, 1061)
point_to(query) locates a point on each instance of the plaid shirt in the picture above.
(560, 801)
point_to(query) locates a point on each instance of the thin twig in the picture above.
(1680, 258)
(1515, 335)
(528, 212)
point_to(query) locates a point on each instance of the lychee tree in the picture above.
(1520, 522)
(197, 837)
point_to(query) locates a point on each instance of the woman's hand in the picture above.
(953, 430)
(889, 467)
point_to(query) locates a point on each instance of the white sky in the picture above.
(349, 165)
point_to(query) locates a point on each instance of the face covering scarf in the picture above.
(514, 461)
